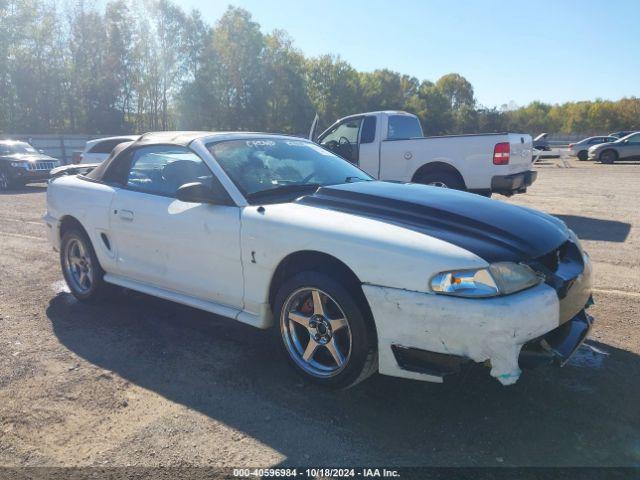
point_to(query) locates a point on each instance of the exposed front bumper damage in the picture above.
(492, 329)
(559, 345)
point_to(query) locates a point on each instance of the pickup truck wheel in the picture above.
(323, 330)
(583, 155)
(608, 156)
(441, 179)
(80, 266)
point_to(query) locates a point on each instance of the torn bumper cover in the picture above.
(557, 346)
(550, 321)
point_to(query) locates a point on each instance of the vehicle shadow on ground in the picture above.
(25, 189)
(583, 414)
(589, 228)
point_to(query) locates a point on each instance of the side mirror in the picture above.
(198, 192)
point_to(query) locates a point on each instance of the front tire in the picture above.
(324, 330)
(80, 266)
(608, 156)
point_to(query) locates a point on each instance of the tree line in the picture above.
(136, 66)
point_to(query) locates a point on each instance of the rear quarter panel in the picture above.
(89, 203)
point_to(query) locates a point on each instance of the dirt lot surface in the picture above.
(140, 381)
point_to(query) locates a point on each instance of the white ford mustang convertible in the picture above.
(356, 275)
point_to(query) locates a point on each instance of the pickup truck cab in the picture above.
(390, 145)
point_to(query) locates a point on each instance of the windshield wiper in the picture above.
(283, 189)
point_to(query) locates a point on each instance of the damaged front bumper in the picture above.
(423, 336)
(557, 346)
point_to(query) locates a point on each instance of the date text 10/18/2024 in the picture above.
(316, 472)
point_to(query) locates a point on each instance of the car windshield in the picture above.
(12, 148)
(627, 136)
(270, 165)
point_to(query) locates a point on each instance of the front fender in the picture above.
(378, 253)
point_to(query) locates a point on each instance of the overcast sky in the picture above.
(514, 50)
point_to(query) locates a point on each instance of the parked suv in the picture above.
(627, 148)
(20, 163)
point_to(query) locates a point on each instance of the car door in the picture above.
(183, 247)
(630, 147)
(368, 147)
(343, 139)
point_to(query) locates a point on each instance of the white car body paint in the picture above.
(403, 258)
(222, 259)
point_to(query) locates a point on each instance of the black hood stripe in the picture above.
(493, 232)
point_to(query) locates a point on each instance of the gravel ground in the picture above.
(140, 381)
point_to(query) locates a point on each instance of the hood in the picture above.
(29, 157)
(493, 230)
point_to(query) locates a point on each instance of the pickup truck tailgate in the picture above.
(521, 157)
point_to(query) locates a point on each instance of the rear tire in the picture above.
(583, 155)
(324, 330)
(441, 179)
(608, 156)
(80, 266)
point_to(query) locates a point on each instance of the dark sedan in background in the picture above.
(20, 164)
(541, 142)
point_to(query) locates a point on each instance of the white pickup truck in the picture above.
(390, 146)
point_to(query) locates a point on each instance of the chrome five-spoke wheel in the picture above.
(78, 265)
(316, 332)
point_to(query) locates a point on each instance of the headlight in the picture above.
(499, 279)
(513, 277)
(19, 164)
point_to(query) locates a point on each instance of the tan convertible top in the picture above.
(152, 138)
(182, 139)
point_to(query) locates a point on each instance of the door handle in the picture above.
(126, 215)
